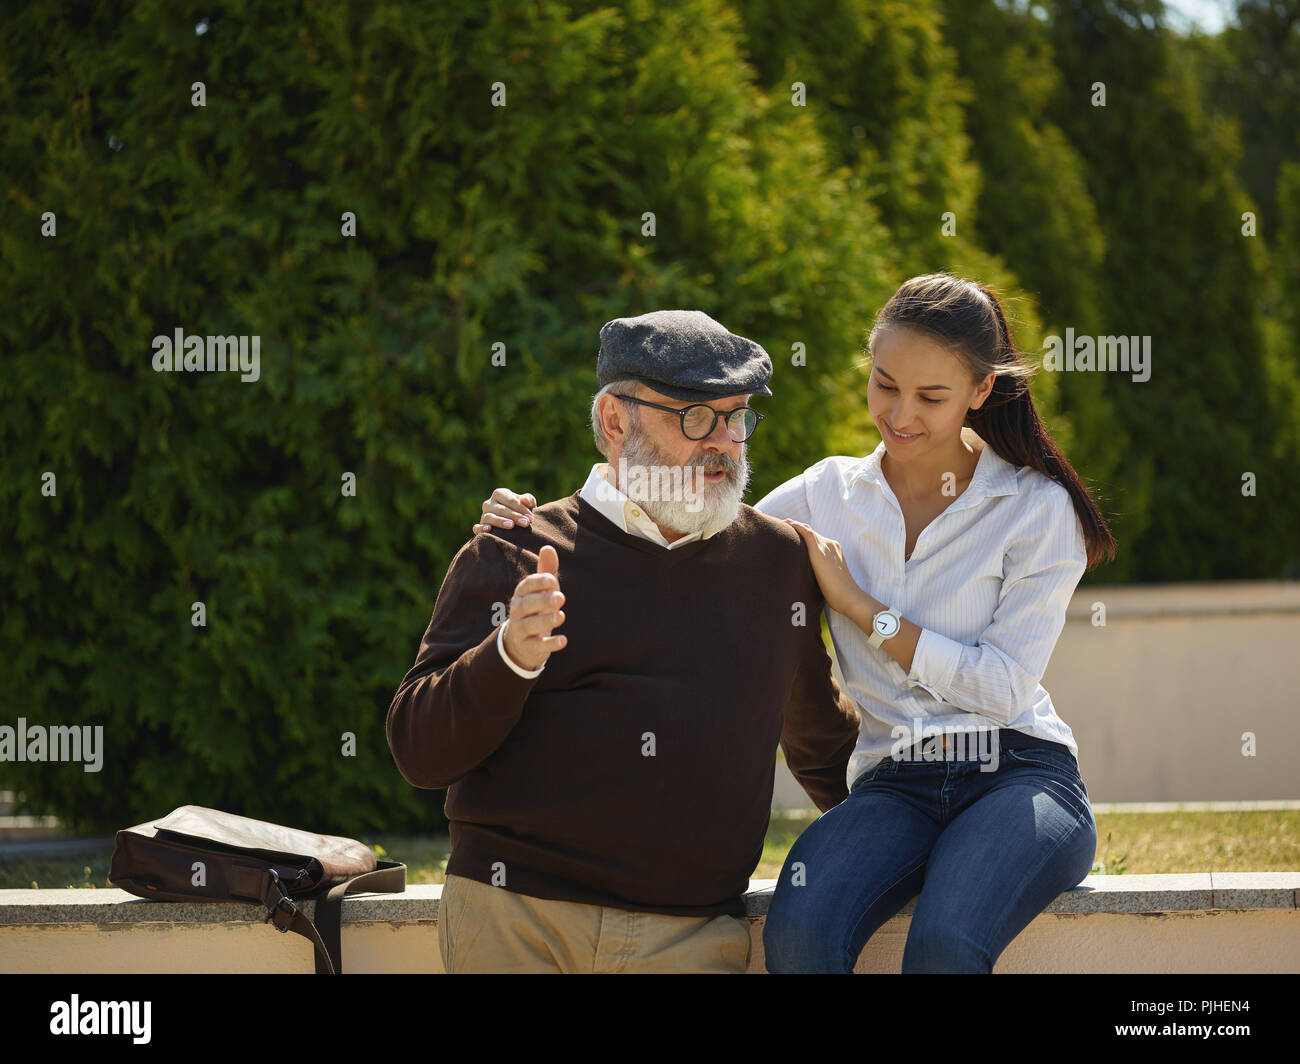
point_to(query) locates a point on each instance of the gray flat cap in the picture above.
(684, 354)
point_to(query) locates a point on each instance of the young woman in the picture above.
(947, 558)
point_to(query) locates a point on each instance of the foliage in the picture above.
(524, 225)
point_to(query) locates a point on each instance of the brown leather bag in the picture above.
(198, 854)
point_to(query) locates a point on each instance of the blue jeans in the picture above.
(986, 851)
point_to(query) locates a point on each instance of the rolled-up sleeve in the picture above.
(998, 677)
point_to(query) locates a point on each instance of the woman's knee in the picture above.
(795, 941)
(804, 929)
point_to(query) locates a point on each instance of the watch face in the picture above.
(886, 624)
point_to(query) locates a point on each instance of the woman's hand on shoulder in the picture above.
(839, 589)
(505, 509)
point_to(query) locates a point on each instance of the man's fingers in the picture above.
(548, 561)
(536, 626)
(535, 609)
(535, 583)
(529, 642)
(529, 605)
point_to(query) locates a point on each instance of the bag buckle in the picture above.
(282, 912)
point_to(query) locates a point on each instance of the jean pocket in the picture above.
(1060, 765)
(870, 774)
(1045, 757)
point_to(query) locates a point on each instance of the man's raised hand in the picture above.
(534, 612)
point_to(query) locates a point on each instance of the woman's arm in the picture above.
(998, 676)
(843, 594)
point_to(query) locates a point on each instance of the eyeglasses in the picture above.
(698, 419)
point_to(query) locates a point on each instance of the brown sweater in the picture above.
(636, 771)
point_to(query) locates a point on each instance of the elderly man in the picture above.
(609, 787)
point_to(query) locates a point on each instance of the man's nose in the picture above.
(720, 439)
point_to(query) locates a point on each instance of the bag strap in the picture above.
(389, 877)
(264, 884)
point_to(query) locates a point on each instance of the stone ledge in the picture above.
(1196, 892)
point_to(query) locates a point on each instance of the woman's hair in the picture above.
(966, 317)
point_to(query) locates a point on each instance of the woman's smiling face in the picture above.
(919, 393)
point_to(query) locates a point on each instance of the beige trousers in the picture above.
(482, 928)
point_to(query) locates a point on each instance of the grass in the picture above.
(1265, 840)
(1131, 843)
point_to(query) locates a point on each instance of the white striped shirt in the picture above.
(988, 583)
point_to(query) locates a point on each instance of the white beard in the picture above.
(708, 512)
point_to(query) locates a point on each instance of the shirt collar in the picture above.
(993, 475)
(601, 494)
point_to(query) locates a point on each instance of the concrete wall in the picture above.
(1220, 922)
(1160, 696)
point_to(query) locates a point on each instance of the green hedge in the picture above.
(477, 225)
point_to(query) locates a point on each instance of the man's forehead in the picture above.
(721, 402)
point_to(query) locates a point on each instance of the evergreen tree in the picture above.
(1179, 269)
(499, 164)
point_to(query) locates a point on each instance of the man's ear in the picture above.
(613, 417)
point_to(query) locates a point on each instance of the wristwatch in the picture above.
(884, 625)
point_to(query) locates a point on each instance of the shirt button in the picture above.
(636, 512)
